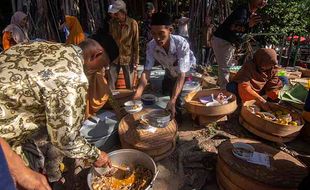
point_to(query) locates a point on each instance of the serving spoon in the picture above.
(112, 170)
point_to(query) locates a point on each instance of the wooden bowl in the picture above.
(194, 106)
(270, 127)
(158, 145)
(285, 172)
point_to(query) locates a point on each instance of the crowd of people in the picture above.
(48, 89)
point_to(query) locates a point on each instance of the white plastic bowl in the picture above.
(244, 155)
(129, 106)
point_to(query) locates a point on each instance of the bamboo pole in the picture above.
(281, 49)
(290, 50)
(297, 50)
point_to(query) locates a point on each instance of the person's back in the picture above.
(238, 18)
(39, 83)
(229, 35)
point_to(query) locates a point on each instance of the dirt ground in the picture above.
(192, 165)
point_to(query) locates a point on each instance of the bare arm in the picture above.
(21, 174)
(142, 84)
(178, 87)
(177, 90)
(135, 43)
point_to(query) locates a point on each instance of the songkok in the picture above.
(161, 19)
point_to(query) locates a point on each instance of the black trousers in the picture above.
(114, 71)
(167, 89)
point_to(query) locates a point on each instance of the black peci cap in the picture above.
(161, 19)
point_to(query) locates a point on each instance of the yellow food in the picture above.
(138, 179)
(283, 117)
(134, 107)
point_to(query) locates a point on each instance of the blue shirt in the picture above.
(6, 181)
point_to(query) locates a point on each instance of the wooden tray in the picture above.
(270, 127)
(224, 182)
(166, 154)
(143, 139)
(305, 72)
(194, 106)
(156, 153)
(206, 120)
(264, 135)
(285, 173)
(306, 132)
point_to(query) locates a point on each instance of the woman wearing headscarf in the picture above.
(76, 35)
(257, 77)
(16, 32)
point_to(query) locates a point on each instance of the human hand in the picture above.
(254, 19)
(30, 180)
(135, 66)
(171, 108)
(264, 105)
(136, 96)
(103, 160)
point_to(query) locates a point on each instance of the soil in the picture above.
(192, 165)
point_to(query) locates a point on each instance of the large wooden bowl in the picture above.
(285, 172)
(194, 106)
(157, 144)
(270, 127)
(306, 129)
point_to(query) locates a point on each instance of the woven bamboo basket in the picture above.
(306, 132)
(194, 106)
(305, 72)
(158, 153)
(158, 144)
(269, 127)
(285, 172)
(264, 135)
(123, 96)
(306, 128)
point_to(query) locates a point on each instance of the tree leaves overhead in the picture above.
(283, 16)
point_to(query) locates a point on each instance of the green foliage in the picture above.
(286, 16)
(283, 16)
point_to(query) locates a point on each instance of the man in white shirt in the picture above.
(174, 54)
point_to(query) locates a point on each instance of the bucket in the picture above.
(128, 157)
(121, 83)
(102, 134)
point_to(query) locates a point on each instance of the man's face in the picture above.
(150, 12)
(95, 58)
(112, 15)
(161, 34)
(120, 16)
(260, 3)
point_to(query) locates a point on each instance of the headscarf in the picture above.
(76, 35)
(255, 74)
(19, 34)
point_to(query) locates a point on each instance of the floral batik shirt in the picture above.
(42, 85)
